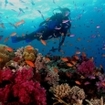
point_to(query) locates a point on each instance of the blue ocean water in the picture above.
(87, 20)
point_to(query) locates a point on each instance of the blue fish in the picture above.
(21, 10)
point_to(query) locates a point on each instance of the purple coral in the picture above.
(86, 68)
(101, 83)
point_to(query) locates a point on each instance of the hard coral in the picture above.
(29, 53)
(61, 91)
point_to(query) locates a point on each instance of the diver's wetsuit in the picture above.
(46, 30)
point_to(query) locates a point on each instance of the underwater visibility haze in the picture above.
(52, 52)
(87, 32)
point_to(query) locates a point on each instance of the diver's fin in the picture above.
(16, 39)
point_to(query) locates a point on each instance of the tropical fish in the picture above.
(19, 23)
(32, 3)
(55, 70)
(47, 59)
(9, 49)
(43, 42)
(21, 10)
(64, 59)
(22, 1)
(69, 64)
(77, 52)
(41, 14)
(78, 83)
(30, 63)
(13, 34)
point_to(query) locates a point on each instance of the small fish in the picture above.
(43, 42)
(12, 24)
(41, 14)
(32, 3)
(77, 52)
(87, 83)
(69, 64)
(55, 70)
(30, 63)
(9, 49)
(103, 55)
(13, 34)
(98, 26)
(47, 59)
(29, 47)
(76, 57)
(65, 21)
(21, 10)
(78, 83)
(21, 1)
(19, 23)
(64, 59)
(72, 35)
(73, 62)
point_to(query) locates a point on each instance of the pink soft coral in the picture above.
(23, 88)
(86, 68)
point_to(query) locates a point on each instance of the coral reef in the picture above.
(29, 78)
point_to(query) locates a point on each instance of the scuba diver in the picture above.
(56, 26)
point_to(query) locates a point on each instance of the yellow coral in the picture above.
(29, 53)
(5, 55)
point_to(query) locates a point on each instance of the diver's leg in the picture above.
(28, 37)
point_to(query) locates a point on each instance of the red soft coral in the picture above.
(6, 74)
(86, 68)
(23, 87)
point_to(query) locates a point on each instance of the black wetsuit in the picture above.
(47, 30)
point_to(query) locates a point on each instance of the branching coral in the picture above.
(52, 78)
(76, 95)
(39, 63)
(61, 91)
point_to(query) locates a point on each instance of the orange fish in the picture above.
(47, 59)
(29, 47)
(78, 83)
(55, 70)
(64, 59)
(83, 54)
(9, 49)
(76, 57)
(73, 62)
(69, 64)
(43, 42)
(30, 63)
